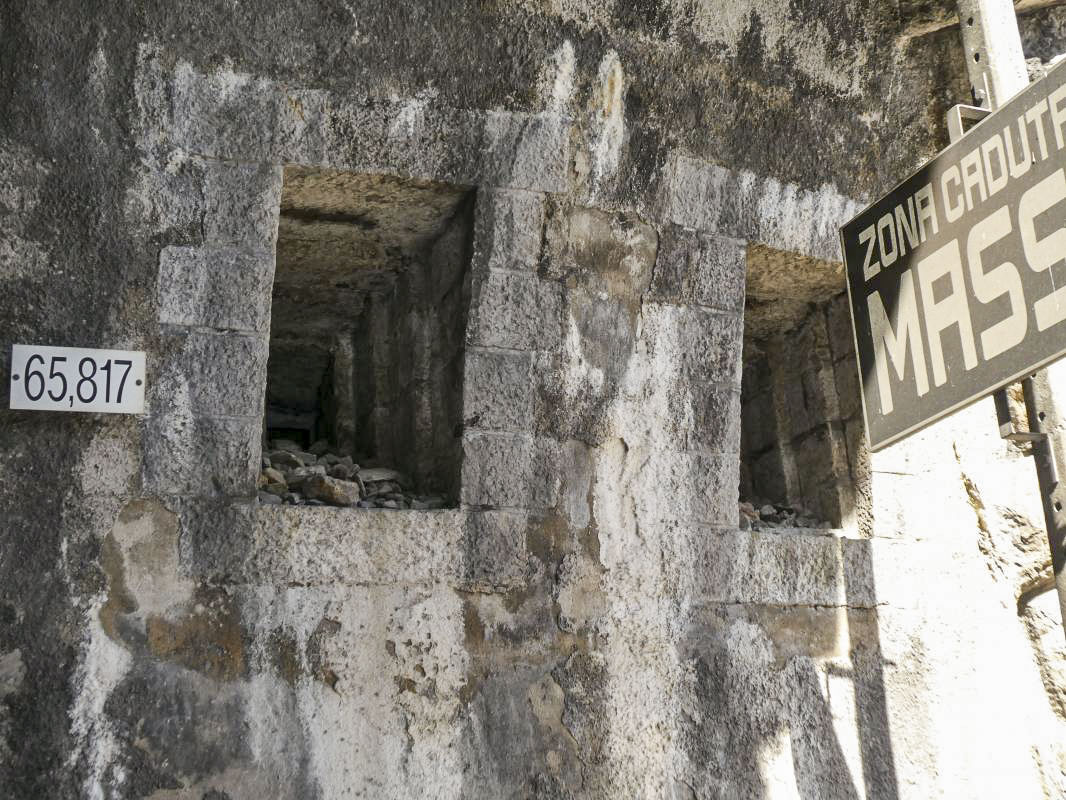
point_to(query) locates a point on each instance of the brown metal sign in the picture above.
(957, 277)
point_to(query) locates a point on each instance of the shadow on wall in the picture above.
(803, 446)
(788, 673)
(790, 700)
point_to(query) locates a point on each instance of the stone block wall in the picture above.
(589, 622)
(204, 408)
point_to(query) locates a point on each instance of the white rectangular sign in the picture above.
(77, 379)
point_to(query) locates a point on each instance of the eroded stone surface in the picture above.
(589, 622)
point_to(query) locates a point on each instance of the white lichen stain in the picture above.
(397, 707)
(785, 216)
(410, 119)
(608, 121)
(556, 83)
(229, 83)
(268, 715)
(585, 14)
(103, 666)
(777, 775)
(12, 672)
(98, 70)
(357, 37)
(581, 378)
(147, 537)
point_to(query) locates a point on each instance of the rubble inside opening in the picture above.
(804, 461)
(368, 318)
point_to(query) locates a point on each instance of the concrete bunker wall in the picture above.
(450, 314)
(588, 622)
(592, 581)
(464, 306)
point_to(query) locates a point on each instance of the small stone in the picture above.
(307, 458)
(434, 502)
(283, 458)
(273, 476)
(298, 476)
(371, 474)
(366, 504)
(390, 504)
(314, 503)
(767, 511)
(266, 462)
(328, 459)
(269, 499)
(747, 514)
(293, 497)
(347, 461)
(342, 471)
(331, 490)
(319, 447)
(278, 489)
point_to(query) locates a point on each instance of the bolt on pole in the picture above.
(994, 60)
(995, 65)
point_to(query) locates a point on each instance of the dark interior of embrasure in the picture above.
(368, 322)
(803, 460)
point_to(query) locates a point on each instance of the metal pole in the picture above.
(996, 68)
(994, 59)
(1040, 408)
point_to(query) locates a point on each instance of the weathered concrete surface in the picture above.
(590, 622)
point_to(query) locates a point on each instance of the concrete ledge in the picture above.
(468, 550)
(249, 543)
(787, 567)
(317, 545)
(812, 567)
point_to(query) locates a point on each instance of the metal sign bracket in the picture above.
(961, 118)
(1006, 422)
